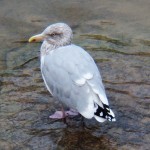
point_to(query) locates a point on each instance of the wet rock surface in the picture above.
(116, 34)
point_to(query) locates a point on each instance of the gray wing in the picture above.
(73, 77)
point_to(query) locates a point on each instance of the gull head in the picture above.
(58, 34)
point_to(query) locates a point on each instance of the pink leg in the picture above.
(57, 115)
(71, 112)
(63, 114)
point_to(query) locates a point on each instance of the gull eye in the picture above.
(53, 34)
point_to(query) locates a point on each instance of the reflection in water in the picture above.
(120, 46)
(84, 140)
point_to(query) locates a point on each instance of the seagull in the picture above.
(71, 75)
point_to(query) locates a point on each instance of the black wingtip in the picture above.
(105, 113)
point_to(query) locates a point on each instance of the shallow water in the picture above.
(116, 34)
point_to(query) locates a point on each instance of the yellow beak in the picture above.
(36, 38)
